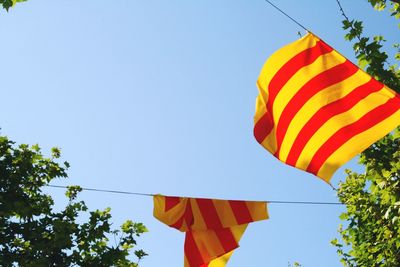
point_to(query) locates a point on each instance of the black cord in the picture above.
(145, 194)
(105, 191)
(284, 13)
(341, 10)
(304, 202)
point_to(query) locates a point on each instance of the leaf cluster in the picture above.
(370, 56)
(373, 209)
(33, 234)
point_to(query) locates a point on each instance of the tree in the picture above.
(33, 234)
(371, 236)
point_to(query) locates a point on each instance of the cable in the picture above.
(146, 194)
(105, 191)
(303, 202)
(284, 13)
(341, 10)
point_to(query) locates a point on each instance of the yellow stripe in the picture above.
(159, 205)
(337, 122)
(280, 57)
(258, 210)
(301, 77)
(199, 223)
(322, 98)
(208, 244)
(260, 104)
(357, 144)
(171, 216)
(270, 143)
(221, 261)
(238, 231)
(225, 213)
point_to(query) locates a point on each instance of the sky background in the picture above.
(158, 97)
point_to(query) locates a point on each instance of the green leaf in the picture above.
(380, 6)
(7, 4)
(362, 63)
(396, 133)
(346, 24)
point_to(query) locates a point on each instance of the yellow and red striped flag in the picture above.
(212, 227)
(316, 110)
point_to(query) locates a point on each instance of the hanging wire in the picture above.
(284, 13)
(303, 202)
(105, 191)
(147, 194)
(341, 10)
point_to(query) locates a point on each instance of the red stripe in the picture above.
(209, 213)
(178, 224)
(211, 218)
(292, 66)
(227, 239)
(192, 252)
(241, 211)
(370, 119)
(312, 87)
(263, 127)
(186, 217)
(171, 202)
(327, 112)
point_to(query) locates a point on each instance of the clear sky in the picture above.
(158, 97)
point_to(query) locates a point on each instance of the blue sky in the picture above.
(158, 97)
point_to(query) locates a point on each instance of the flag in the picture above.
(316, 110)
(212, 227)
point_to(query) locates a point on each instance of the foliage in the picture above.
(9, 3)
(371, 236)
(33, 234)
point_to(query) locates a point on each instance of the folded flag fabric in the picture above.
(316, 110)
(212, 227)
